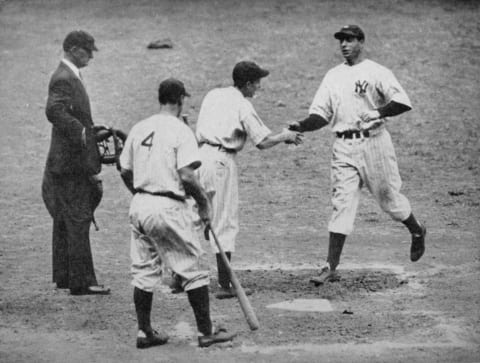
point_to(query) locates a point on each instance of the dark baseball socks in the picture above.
(335, 247)
(198, 298)
(200, 302)
(143, 307)
(412, 224)
(337, 241)
(223, 276)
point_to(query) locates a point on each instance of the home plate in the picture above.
(319, 305)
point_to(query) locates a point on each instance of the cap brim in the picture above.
(264, 73)
(186, 94)
(341, 35)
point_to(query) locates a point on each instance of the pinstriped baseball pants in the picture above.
(219, 177)
(164, 235)
(369, 162)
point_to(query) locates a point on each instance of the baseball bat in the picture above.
(242, 297)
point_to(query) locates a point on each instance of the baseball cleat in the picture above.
(418, 245)
(151, 340)
(326, 275)
(229, 293)
(220, 336)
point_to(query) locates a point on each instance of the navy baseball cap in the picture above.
(350, 31)
(79, 38)
(246, 71)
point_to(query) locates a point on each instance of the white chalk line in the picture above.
(371, 348)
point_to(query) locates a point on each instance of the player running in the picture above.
(355, 98)
(158, 163)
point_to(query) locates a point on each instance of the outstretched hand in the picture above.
(292, 137)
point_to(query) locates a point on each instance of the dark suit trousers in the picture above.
(69, 201)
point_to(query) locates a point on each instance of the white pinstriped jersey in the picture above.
(155, 149)
(344, 94)
(226, 117)
(347, 91)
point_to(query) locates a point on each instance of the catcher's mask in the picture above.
(110, 143)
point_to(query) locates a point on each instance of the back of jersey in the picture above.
(156, 148)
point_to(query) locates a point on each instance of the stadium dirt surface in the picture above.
(385, 308)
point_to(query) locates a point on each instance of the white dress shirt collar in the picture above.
(73, 67)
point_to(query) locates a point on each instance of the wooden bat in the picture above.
(242, 297)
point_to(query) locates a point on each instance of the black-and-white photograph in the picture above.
(240, 181)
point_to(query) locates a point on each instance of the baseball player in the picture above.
(225, 121)
(356, 98)
(157, 166)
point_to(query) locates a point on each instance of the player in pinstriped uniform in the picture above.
(225, 120)
(157, 165)
(355, 98)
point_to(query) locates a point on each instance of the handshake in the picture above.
(291, 136)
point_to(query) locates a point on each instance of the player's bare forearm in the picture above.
(193, 188)
(287, 136)
(127, 177)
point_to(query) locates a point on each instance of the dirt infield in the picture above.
(384, 308)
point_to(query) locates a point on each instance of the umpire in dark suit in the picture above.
(71, 188)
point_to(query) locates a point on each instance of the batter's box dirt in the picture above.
(358, 314)
(286, 327)
(296, 283)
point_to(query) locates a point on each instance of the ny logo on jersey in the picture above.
(361, 87)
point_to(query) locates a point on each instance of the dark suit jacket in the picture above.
(68, 109)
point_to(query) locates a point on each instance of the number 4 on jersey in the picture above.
(148, 141)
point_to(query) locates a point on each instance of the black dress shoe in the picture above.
(91, 290)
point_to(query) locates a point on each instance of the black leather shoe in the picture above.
(220, 336)
(151, 340)
(417, 248)
(91, 290)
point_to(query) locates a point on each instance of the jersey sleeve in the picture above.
(126, 157)
(391, 89)
(187, 151)
(322, 101)
(254, 126)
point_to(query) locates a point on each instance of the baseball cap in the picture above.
(350, 31)
(248, 71)
(171, 89)
(79, 38)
